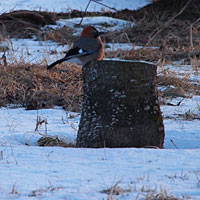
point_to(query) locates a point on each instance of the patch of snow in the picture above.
(184, 133)
(4, 45)
(68, 5)
(182, 71)
(102, 23)
(125, 46)
(18, 125)
(122, 46)
(33, 52)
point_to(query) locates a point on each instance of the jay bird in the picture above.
(88, 47)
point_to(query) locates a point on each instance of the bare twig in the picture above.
(96, 1)
(104, 5)
(178, 104)
(85, 11)
(1, 156)
(173, 143)
(191, 38)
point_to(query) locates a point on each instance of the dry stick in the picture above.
(191, 38)
(195, 22)
(1, 156)
(96, 1)
(13, 155)
(178, 104)
(85, 11)
(4, 31)
(104, 5)
(173, 143)
(169, 21)
(112, 189)
(4, 59)
(191, 44)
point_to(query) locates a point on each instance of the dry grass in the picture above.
(148, 194)
(158, 55)
(115, 190)
(33, 87)
(54, 141)
(181, 87)
(40, 192)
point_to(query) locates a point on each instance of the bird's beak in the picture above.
(101, 33)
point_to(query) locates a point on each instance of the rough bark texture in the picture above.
(120, 106)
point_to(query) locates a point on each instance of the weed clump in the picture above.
(33, 87)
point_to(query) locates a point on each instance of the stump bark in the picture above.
(120, 106)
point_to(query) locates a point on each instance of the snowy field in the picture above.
(32, 172)
(68, 5)
(28, 171)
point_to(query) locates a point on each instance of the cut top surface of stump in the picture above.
(131, 73)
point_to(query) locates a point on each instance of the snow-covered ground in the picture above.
(70, 173)
(68, 5)
(28, 171)
(79, 174)
(30, 51)
(102, 23)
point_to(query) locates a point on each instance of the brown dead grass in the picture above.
(33, 87)
(46, 141)
(157, 55)
(182, 87)
(150, 194)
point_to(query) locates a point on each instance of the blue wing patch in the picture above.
(77, 51)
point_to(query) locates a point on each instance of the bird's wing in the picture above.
(72, 53)
(84, 46)
(77, 52)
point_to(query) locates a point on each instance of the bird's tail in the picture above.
(55, 63)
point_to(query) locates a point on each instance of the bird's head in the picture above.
(91, 32)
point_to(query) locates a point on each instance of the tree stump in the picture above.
(120, 106)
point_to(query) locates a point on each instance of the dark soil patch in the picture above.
(24, 23)
(168, 22)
